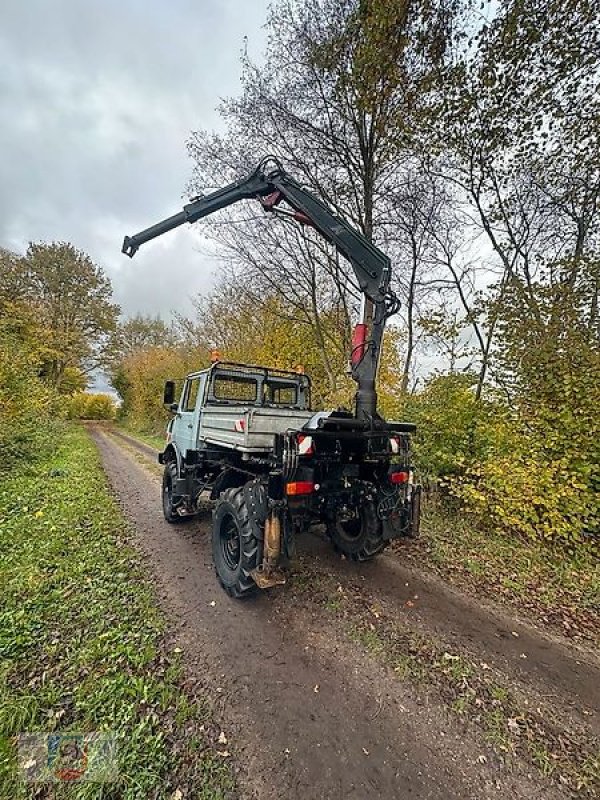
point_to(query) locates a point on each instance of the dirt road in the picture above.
(309, 713)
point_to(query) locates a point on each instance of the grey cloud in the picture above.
(96, 101)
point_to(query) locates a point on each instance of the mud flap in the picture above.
(404, 519)
(396, 523)
(181, 487)
(415, 513)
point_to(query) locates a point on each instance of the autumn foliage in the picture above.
(91, 405)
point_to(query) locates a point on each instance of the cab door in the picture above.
(185, 428)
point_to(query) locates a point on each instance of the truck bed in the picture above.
(248, 429)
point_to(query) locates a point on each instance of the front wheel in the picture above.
(169, 499)
(359, 534)
(234, 545)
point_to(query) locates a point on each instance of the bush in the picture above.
(454, 429)
(529, 496)
(85, 405)
(29, 408)
(140, 382)
(532, 472)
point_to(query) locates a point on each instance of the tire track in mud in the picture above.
(308, 715)
(556, 671)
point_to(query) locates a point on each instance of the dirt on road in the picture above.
(311, 713)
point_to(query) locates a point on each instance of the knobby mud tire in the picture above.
(235, 548)
(361, 539)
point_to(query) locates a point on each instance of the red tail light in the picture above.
(399, 477)
(299, 487)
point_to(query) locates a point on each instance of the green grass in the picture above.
(155, 440)
(558, 589)
(82, 639)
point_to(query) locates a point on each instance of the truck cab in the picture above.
(237, 406)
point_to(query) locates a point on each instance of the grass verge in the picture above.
(83, 642)
(153, 439)
(559, 590)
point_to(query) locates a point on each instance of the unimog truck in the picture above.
(245, 437)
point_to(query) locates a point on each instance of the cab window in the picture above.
(281, 394)
(191, 394)
(235, 388)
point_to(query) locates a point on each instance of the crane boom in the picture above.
(372, 268)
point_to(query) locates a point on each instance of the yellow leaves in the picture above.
(141, 377)
(529, 496)
(87, 405)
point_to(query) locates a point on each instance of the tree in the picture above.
(71, 298)
(331, 119)
(27, 403)
(141, 331)
(515, 133)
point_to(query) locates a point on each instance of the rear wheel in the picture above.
(234, 545)
(169, 499)
(359, 534)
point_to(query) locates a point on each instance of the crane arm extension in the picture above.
(371, 266)
(253, 186)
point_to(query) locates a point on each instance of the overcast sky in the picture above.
(96, 102)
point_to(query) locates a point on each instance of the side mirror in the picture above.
(169, 393)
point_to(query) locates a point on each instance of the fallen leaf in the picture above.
(450, 657)
(513, 726)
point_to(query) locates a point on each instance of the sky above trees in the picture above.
(96, 102)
